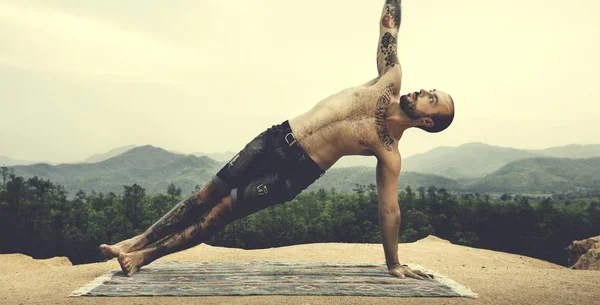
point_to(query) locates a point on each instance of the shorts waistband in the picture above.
(309, 165)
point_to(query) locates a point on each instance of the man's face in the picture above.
(425, 103)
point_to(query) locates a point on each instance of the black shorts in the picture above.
(273, 168)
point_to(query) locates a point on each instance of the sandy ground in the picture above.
(498, 278)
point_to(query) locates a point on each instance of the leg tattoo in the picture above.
(182, 215)
(206, 226)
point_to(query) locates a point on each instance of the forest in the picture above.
(38, 219)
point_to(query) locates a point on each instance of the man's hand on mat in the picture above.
(403, 271)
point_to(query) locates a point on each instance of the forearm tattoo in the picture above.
(393, 16)
(390, 20)
(182, 215)
(381, 115)
(388, 46)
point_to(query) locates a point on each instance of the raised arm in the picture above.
(388, 170)
(389, 25)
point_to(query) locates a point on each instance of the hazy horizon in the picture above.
(81, 78)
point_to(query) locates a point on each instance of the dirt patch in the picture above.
(20, 262)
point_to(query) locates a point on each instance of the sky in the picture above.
(84, 77)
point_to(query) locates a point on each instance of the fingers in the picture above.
(422, 274)
(408, 272)
(404, 272)
(397, 273)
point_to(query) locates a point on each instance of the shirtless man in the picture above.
(285, 159)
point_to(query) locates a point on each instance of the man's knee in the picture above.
(210, 193)
(219, 213)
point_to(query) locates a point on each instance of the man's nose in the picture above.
(423, 91)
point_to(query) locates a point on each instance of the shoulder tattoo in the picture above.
(380, 117)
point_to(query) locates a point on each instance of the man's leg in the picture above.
(186, 212)
(205, 227)
(247, 162)
(260, 193)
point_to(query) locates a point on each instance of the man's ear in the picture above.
(427, 122)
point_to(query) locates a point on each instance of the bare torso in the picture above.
(350, 122)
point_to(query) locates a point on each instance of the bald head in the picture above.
(434, 107)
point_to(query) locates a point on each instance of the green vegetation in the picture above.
(550, 175)
(37, 219)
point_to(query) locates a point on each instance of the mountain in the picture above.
(449, 162)
(219, 156)
(543, 174)
(6, 161)
(154, 168)
(570, 151)
(465, 161)
(105, 156)
(151, 167)
(346, 179)
(354, 161)
(473, 160)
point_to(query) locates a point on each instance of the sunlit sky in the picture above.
(84, 77)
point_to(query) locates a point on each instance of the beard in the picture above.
(410, 108)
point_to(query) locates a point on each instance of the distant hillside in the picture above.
(219, 156)
(354, 161)
(6, 161)
(105, 156)
(444, 161)
(473, 160)
(571, 151)
(465, 161)
(154, 168)
(542, 175)
(151, 167)
(345, 179)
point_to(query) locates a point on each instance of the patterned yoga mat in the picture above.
(242, 278)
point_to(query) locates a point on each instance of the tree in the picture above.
(132, 198)
(16, 190)
(6, 172)
(175, 192)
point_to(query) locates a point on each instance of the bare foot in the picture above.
(131, 262)
(126, 246)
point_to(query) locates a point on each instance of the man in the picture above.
(285, 159)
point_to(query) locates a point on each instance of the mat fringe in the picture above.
(456, 287)
(93, 284)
